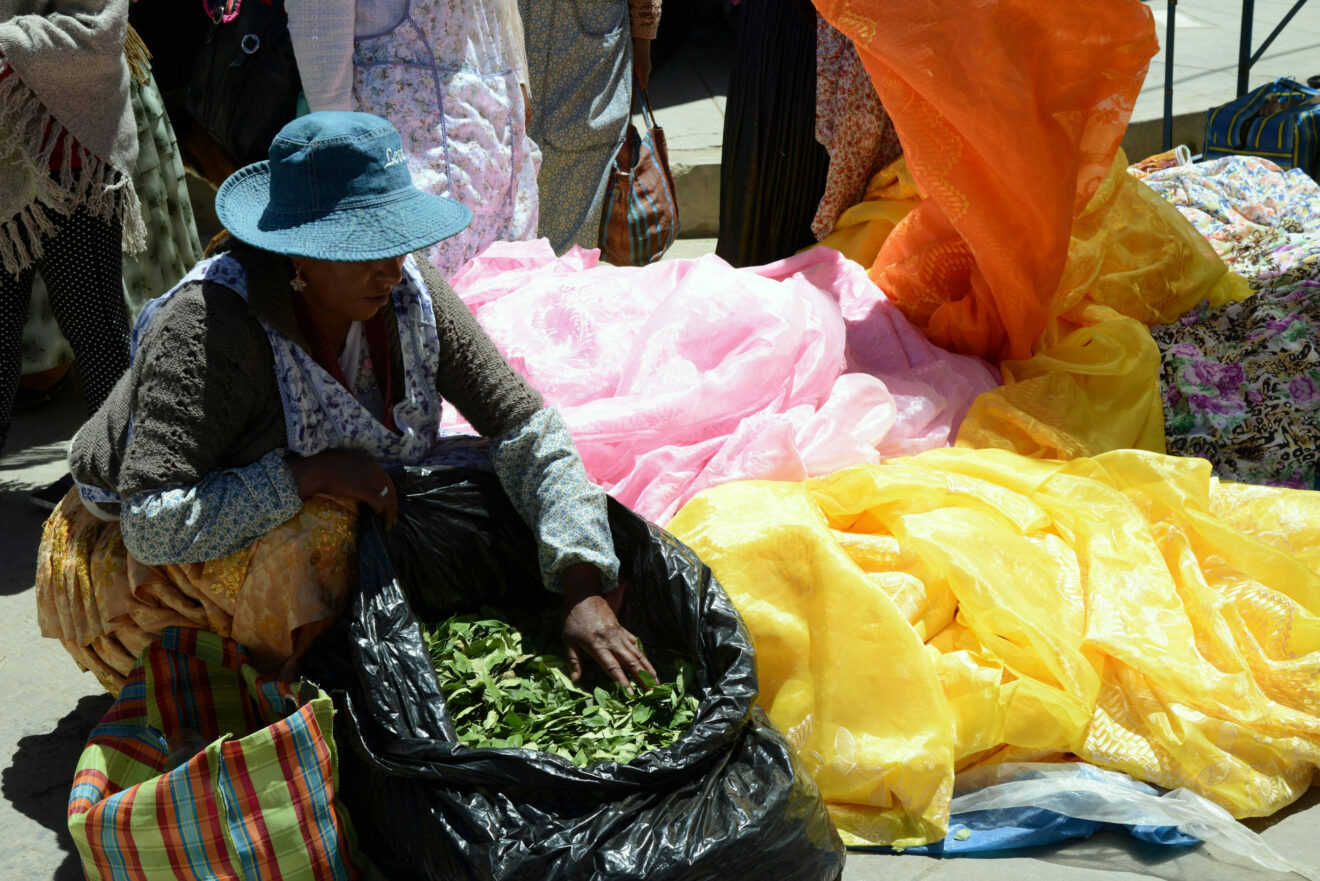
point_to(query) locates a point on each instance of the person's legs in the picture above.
(83, 268)
(15, 290)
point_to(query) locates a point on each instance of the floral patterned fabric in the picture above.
(1260, 218)
(1242, 383)
(441, 76)
(851, 125)
(228, 510)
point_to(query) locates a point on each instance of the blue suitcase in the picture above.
(1279, 121)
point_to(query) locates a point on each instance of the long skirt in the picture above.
(772, 171)
(579, 58)
(274, 596)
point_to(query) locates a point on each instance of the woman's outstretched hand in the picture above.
(591, 626)
(349, 474)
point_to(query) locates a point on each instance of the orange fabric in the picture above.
(1010, 114)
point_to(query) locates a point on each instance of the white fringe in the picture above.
(102, 189)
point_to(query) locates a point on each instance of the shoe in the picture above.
(28, 399)
(48, 497)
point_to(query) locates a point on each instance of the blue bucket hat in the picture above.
(336, 187)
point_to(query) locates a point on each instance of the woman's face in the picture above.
(355, 291)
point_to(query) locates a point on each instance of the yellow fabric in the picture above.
(862, 229)
(1025, 219)
(959, 607)
(274, 596)
(1009, 114)
(1093, 384)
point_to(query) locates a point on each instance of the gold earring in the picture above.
(298, 283)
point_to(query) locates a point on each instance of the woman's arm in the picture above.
(533, 453)
(232, 508)
(542, 473)
(225, 512)
(643, 24)
(540, 470)
(187, 405)
(322, 34)
(511, 35)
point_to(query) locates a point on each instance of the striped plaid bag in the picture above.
(203, 770)
(639, 218)
(1279, 121)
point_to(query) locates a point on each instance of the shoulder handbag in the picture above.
(245, 84)
(639, 218)
(1279, 121)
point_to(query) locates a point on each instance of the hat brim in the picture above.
(347, 235)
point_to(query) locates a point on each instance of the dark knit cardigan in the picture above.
(202, 393)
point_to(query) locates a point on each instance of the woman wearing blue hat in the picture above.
(217, 485)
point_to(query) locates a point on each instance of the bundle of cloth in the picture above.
(1055, 586)
(959, 609)
(1241, 381)
(1016, 235)
(689, 373)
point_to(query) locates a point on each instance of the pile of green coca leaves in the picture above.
(503, 693)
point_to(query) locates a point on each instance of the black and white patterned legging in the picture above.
(82, 264)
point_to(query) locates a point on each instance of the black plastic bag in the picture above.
(729, 799)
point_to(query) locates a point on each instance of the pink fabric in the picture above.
(688, 373)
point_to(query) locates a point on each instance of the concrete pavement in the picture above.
(48, 706)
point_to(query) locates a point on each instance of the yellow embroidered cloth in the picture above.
(274, 596)
(1093, 383)
(961, 607)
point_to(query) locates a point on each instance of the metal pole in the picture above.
(1168, 74)
(1255, 56)
(1244, 48)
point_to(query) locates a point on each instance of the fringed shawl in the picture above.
(69, 73)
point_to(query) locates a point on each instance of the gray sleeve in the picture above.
(539, 467)
(225, 512)
(194, 396)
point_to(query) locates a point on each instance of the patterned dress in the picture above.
(850, 124)
(442, 76)
(1241, 383)
(579, 58)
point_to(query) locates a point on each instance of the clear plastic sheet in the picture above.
(1089, 793)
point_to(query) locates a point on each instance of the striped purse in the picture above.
(639, 218)
(201, 769)
(1279, 121)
